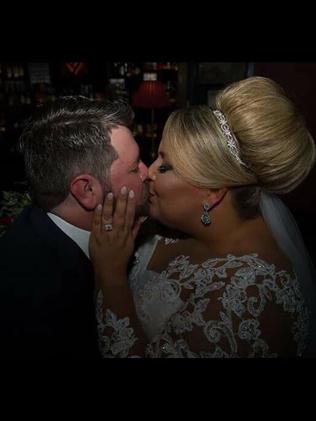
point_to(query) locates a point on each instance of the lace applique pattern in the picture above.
(170, 240)
(240, 288)
(122, 338)
(222, 334)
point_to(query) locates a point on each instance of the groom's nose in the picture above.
(143, 171)
(152, 170)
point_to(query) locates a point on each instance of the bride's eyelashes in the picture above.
(164, 167)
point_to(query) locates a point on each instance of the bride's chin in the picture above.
(152, 212)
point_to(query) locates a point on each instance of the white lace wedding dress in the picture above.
(224, 307)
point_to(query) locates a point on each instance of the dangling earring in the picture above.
(205, 218)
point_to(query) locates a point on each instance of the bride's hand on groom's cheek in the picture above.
(113, 234)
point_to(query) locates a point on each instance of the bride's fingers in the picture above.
(107, 210)
(96, 222)
(120, 208)
(130, 210)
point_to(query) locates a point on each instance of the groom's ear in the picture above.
(87, 190)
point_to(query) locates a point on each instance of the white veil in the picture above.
(287, 234)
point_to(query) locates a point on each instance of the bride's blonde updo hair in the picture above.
(272, 138)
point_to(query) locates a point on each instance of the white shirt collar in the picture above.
(79, 236)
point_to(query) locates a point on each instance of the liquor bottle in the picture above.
(9, 72)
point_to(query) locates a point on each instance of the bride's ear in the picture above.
(87, 190)
(214, 196)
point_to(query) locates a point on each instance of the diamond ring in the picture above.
(108, 227)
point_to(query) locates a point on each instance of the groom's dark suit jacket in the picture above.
(46, 293)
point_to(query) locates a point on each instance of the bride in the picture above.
(232, 277)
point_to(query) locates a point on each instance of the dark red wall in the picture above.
(299, 81)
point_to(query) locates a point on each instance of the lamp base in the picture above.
(153, 148)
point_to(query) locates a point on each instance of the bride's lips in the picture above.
(151, 195)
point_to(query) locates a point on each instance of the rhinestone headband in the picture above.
(232, 142)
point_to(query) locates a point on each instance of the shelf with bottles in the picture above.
(73, 79)
(148, 134)
(143, 126)
(14, 86)
(124, 78)
(26, 86)
(15, 98)
(161, 66)
(167, 73)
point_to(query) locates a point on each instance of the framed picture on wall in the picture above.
(221, 73)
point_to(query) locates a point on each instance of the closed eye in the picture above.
(164, 167)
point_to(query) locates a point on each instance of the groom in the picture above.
(75, 151)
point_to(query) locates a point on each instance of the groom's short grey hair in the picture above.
(66, 138)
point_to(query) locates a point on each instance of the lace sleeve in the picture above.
(116, 336)
(234, 307)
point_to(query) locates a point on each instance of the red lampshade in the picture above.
(150, 94)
